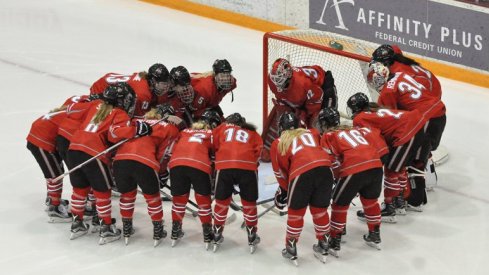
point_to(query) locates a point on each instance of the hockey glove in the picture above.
(143, 129)
(280, 198)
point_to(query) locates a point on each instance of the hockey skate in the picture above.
(208, 235)
(78, 228)
(321, 249)
(387, 211)
(413, 208)
(90, 209)
(176, 233)
(400, 205)
(127, 229)
(253, 238)
(95, 223)
(218, 237)
(290, 251)
(334, 246)
(108, 233)
(373, 238)
(59, 214)
(158, 232)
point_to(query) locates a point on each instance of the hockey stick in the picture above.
(168, 196)
(100, 154)
(261, 214)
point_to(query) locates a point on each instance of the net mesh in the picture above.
(346, 58)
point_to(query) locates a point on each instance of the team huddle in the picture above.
(164, 129)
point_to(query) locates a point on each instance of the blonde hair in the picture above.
(152, 114)
(103, 111)
(287, 137)
(57, 109)
(200, 125)
(339, 128)
(143, 75)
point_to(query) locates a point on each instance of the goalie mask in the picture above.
(328, 118)
(281, 73)
(180, 79)
(287, 121)
(377, 75)
(158, 79)
(222, 74)
(120, 95)
(356, 103)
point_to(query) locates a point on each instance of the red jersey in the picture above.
(411, 93)
(205, 86)
(45, 129)
(149, 150)
(352, 149)
(236, 147)
(397, 126)
(94, 138)
(193, 149)
(304, 154)
(304, 90)
(418, 71)
(68, 125)
(140, 86)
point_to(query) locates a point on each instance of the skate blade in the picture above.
(335, 253)
(401, 212)
(252, 248)
(392, 219)
(322, 258)
(156, 243)
(126, 240)
(60, 220)
(107, 240)
(207, 246)
(76, 235)
(174, 242)
(294, 261)
(374, 245)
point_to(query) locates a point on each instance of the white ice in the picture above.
(52, 49)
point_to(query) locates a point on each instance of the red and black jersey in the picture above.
(93, 138)
(420, 72)
(303, 154)
(236, 147)
(352, 149)
(69, 125)
(397, 126)
(139, 84)
(193, 149)
(149, 150)
(205, 86)
(405, 92)
(304, 90)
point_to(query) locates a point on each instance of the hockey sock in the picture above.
(78, 201)
(54, 191)
(249, 213)
(126, 204)
(391, 185)
(155, 207)
(205, 211)
(371, 209)
(178, 207)
(104, 207)
(338, 219)
(295, 222)
(320, 218)
(403, 179)
(221, 211)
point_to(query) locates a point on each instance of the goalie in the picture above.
(300, 90)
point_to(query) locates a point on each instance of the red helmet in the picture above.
(281, 73)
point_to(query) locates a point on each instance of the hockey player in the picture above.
(190, 166)
(403, 132)
(148, 86)
(302, 169)
(182, 95)
(137, 163)
(302, 90)
(213, 86)
(104, 121)
(360, 171)
(41, 141)
(238, 147)
(405, 92)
